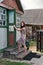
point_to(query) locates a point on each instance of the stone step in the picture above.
(9, 49)
(22, 54)
(15, 52)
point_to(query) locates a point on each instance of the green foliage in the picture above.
(33, 42)
(2, 62)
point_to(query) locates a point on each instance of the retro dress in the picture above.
(23, 37)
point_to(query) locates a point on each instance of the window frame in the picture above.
(18, 19)
(3, 17)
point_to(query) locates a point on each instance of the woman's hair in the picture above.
(23, 24)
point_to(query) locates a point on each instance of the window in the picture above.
(18, 19)
(11, 16)
(0, 11)
(4, 11)
(3, 22)
(3, 17)
(0, 22)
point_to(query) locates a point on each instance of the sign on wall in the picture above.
(11, 28)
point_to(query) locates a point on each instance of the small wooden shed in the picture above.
(34, 19)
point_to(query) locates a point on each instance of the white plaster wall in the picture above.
(3, 38)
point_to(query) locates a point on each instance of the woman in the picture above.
(22, 39)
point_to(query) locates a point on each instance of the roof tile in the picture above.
(10, 3)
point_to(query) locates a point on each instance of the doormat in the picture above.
(31, 55)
